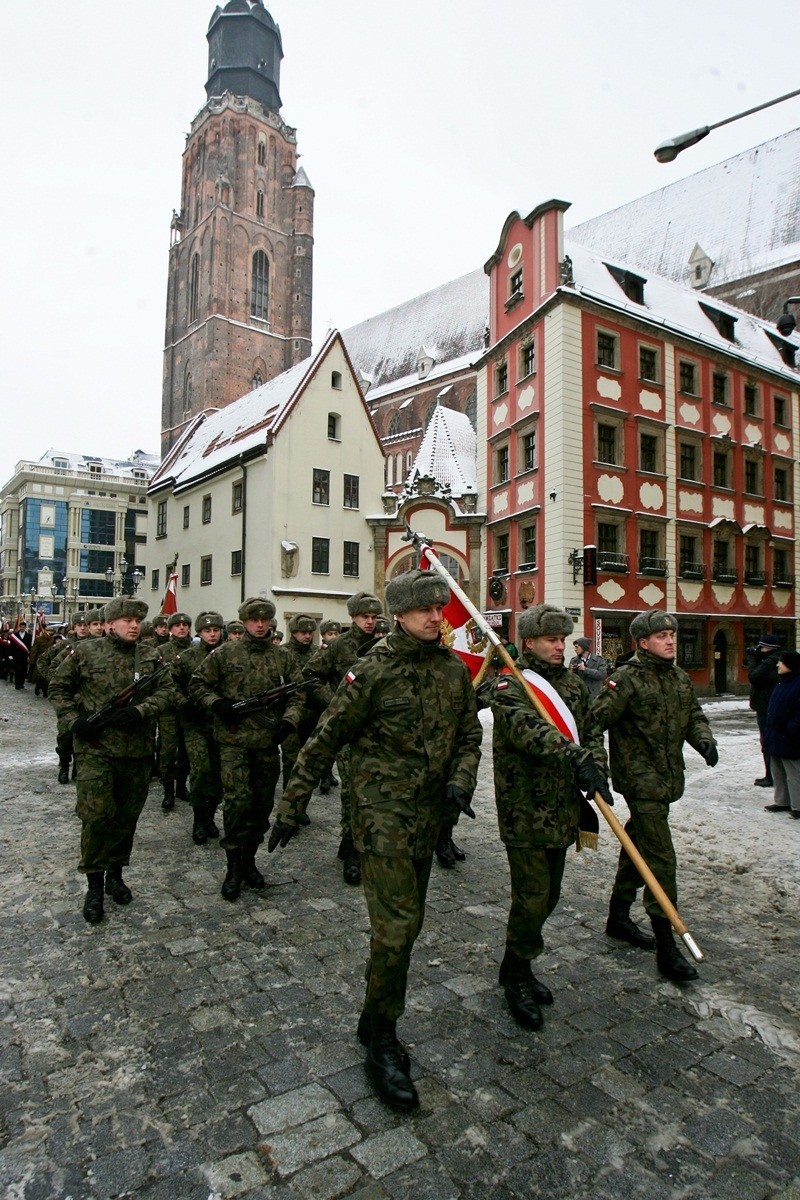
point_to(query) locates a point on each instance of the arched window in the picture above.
(260, 202)
(259, 287)
(398, 468)
(262, 152)
(389, 470)
(394, 425)
(257, 379)
(187, 395)
(194, 287)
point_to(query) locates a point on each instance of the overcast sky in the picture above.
(421, 125)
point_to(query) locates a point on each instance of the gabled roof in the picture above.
(218, 436)
(744, 212)
(448, 453)
(451, 318)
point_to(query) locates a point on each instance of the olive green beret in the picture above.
(179, 618)
(416, 589)
(330, 627)
(301, 623)
(652, 621)
(235, 627)
(208, 620)
(255, 608)
(125, 606)
(363, 604)
(544, 620)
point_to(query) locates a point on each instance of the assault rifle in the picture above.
(104, 717)
(258, 706)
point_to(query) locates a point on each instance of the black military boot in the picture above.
(168, 803)
(620, 926)
(521, 988)
(199, 830)
(364, 1033)
(212, 829)
(181, 790)
(93, 904)
(458, 853)
(669, 960)
(351, 869)
(444, 848)
(63, 768)
(232, 884)
(116, 887)
(384, 1067)
(251, 876)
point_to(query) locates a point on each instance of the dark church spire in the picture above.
(244, 53)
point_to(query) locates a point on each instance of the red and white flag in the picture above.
(460, 630)
(170, 602)
(556, 708)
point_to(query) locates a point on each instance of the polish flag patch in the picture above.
(350, 677)
(502, 686)
(610, 683)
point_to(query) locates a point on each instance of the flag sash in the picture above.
(557, 709)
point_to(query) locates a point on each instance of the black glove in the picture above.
(283, 731)
(590, 779)
(709, 752)
(128, 718)
(456, 795)
(80, 728)
(224, 709)
(281, 835)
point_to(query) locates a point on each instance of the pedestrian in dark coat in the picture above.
(591, 667)
(762, 671)
(782, 735)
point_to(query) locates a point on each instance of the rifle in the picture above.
(256, 706)
(104, 716)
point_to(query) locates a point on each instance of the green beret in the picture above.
(330, 627)
(125, 606)
(179, 618)
(364, 604)
(652, 621)
(208, 620)
(235, 627)
(255, 608)
(416, 589)
(544, 620)
(300, 623)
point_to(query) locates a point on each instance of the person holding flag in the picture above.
(539, 771)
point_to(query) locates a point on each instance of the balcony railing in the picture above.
(652, 566)
(692, 570)
(755, 578)
(610, 561)
(727, 575)
(781, 579)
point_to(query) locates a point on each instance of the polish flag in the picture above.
(556, 709)
(461, 632)
(170, 602)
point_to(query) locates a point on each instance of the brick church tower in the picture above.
(240, 262)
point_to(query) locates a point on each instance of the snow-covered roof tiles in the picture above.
(448, 453)
(452, 318)
(138, 461)
(744, 212)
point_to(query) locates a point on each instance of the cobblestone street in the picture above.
(188, 1048)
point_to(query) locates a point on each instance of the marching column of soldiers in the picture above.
(223, 715)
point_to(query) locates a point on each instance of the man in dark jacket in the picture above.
(591, 667)
(197, 725)
(762, 671)
(782, 735)
(650, 709)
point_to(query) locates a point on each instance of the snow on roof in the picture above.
(301, 179)
(448, 453)
(744, 212)
(452, 318)
(464, 363)
(681, 310)
(138, 461)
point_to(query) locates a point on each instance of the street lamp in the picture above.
(669, 150)
(124, 584)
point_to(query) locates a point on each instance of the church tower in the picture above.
(241, 253)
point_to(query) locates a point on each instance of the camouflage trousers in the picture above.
(343, 763)
(172, 755)
(64, 746)
(111, 795)
(649, 831)
(203, 754)
(293, 744)
(536, 874)
(249, 779)
(395, 891)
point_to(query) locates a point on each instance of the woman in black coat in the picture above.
(782, 735)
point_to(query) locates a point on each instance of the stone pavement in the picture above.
(192, 1049)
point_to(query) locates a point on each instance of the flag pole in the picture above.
(423, 547)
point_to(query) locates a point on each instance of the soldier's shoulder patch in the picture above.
(502, 686)
(610, 684)
(350, 677)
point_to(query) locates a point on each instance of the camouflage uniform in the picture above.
(202, 749)
(407, 710)
(249, 754)
(173, 759)
(650, 709)
(538, 803)
(298, 656)
(114, 769)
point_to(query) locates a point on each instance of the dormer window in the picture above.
(786, 350)
(60, 464)
(631, 284)
(95, 469)
(724, 322)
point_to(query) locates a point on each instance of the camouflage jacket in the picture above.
(328, 665)
(298, 658)
(45, 663)
(538, 803)
(183, 667)
(96, 670)
(650, 709)
(237, 671)
(407, 710)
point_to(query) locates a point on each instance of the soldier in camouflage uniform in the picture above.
(173, 760)
(202, 748)
(329, 631)
(78, 632)
(248, 745)
(114, 764)
(325, 672)
(234, 630)
(650, 709)
(298, 651)
(407, 711)
(537, 776)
